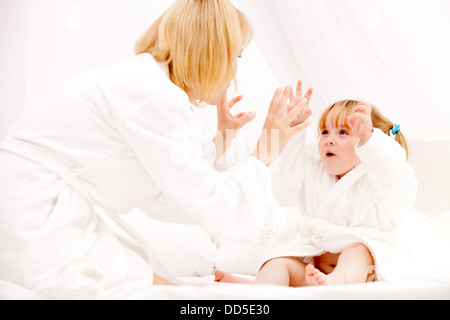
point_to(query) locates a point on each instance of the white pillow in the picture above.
(187, 250)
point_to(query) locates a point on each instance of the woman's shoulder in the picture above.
(127, 85)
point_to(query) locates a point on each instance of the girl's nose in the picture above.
(330, 143)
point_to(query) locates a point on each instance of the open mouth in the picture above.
(330, 155)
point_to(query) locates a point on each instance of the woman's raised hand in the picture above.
(305, 111)
(228, 124)
(282, 123)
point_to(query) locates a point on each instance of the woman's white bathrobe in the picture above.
(369, 205)
(117, 138)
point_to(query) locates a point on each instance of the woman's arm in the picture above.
(237, 204)
(288, 171)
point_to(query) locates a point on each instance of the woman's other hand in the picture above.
(281, 124)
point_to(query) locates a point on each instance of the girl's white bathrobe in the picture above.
(372, 204)
(115, 139)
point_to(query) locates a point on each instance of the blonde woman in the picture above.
(130, 136)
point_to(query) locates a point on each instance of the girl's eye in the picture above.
(343, 132)
(324, 132)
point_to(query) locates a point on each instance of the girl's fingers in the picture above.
(363, 107)
(356, 120)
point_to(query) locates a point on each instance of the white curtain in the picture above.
(12, 63)
(394, 54)
(44, 42)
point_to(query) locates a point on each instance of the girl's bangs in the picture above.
(338, 114)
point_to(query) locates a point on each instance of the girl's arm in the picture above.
(393, 186)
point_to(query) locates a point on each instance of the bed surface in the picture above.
(426, 287)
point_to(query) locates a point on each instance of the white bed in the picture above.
(193, 255)
(197, 265)
(420, 288)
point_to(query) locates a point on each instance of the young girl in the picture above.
(352, 197)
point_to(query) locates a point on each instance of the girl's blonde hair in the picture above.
(199, 41)
(341, 110)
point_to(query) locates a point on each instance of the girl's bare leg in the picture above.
(225, 277)
(352, 266)
(286, 271)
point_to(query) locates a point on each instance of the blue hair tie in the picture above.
(395, 129)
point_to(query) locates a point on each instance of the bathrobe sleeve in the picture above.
(237, 204)
(392, 185)
(289, 171)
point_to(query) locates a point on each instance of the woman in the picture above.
(130, 136)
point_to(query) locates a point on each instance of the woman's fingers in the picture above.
(302, 126)
(298, 111)
(281, 107)
(235, 100)
(278, 102)
(308, 94)
(274, 103)
(293, 104)
(245, 118)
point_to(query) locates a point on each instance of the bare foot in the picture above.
(315, 277)
(221, 276)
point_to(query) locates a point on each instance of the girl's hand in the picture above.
(277, 129)
(229, 125)
(305, 111)
(361, 122)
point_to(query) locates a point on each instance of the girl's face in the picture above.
(337, 149)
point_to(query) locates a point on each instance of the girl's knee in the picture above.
(360, 250)
(359, 246)
(283, 261)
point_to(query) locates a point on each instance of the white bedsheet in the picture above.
(427, 287)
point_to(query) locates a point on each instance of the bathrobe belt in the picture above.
(32, 153)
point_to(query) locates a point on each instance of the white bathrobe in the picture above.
(372, 204)
(116, 139)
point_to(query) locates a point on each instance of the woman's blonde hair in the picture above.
(199, 41)
(341, 110)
